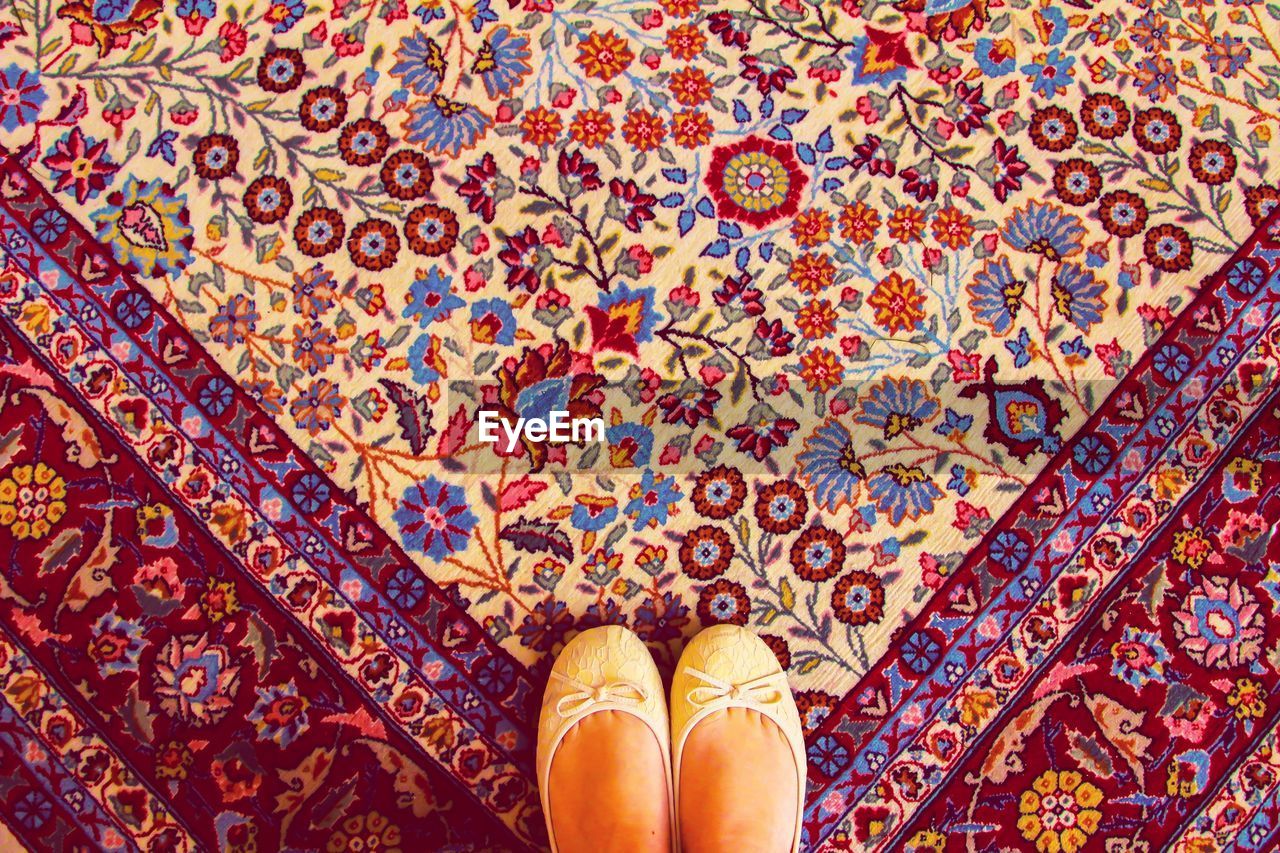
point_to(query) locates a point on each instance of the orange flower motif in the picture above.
(685, 42)
(691, 128)
(952, 228)
(643, 130)
(604, 56)
(817, 319)
(811, 228)
(820, 369)
(540, 126)
(898, 302)
(591, 127)
(906, 224)
(812, 273)
(690, 86)
(680, 8)
(858, 222)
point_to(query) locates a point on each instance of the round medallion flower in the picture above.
(363, 142)
(319, 231)
(1259, 201)
(818, 554)
(431, 230)
(195, 680)
(32, 500)
(281, 70)
(434, 518)
(706, 552)
(781, 507)
(1157, 131)
(267, 200)
(756, 181)
(148, 226)
(719, 492)
(216, 156)
(858, 599)
(1105, 116)
(1077, 181)
(1220, 624)
(814, 707)
(1122, 213)
(898, 302)
(1212, 162)
(1059, 811)
(1168, 248)
(1053, 129)
(724, 601)
(373, 245)
(604, 55)
(406, 175)
(322, 109)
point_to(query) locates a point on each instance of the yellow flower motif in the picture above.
(1191, 547)
(1248, 698)
(1059, 811)
(927, 840)
(32, 500)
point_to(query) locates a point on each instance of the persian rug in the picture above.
(935, 340)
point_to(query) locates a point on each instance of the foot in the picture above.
(603, 748)
(738, 751)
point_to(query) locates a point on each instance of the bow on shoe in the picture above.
(622, 692)
(765, 690)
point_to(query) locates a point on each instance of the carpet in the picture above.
(935, 340)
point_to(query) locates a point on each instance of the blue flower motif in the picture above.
(49, 226)
(487, 312)
(162, 147)
(495, 675)
(992, 64)
(920, 652)
(1078, 296)
(593, 513)
(1075, 347)
(1245, 275)
(434, 518)
(1052, 75)
(406, 587)
(421, 66)
(995, 296)
(896, 406)
(903, 492)
(828, 756)
(285, 13)
(954, 422)
(502, 62)
(632, 442)
(422, 361)
(310, 493)
(133, 310)
(216, 395)
(1010, 551)
(21, 96)
(830, 466)
(650, 504)
(32, 810)
(1093, 454)
(959, 482)
(1020, 347)
(1045, 229)
(1172, 362)
(446, 127)
(481, 13)
(431, 298)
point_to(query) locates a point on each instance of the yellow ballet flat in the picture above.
(727, 667)
(602, 669)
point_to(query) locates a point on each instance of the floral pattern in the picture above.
(842, 281)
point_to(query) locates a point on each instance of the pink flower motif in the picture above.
(1220, 624)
